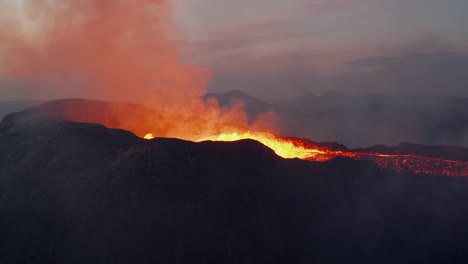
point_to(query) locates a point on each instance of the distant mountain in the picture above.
(82, 193)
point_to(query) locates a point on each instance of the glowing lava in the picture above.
(129, 54)
(283, 147)
(297, 148)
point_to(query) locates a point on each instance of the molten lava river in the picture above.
(299, 148)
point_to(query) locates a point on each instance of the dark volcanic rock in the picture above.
(82, 193)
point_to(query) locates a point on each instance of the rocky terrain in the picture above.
(83, 193)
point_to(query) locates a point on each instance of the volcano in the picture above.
(183, 176)
(449, 161)
(76, 192)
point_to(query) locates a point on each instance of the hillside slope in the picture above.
(82, 193)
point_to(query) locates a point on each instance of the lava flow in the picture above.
(297, 148)
(126, 52)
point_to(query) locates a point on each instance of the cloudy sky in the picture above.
(275, 48)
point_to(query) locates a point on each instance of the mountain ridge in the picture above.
(109, 114)
(82, 193)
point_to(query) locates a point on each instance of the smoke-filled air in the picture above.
(128, 52)
(117, 50)
(121, 51)
(224, 131)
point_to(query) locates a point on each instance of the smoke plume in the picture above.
(117, 50)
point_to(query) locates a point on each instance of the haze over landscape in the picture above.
(276, 49)
(217, 131)
(393, 54)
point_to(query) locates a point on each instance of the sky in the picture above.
(274, 49)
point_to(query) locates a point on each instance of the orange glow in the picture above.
(125, 51)
(297, 148)
(283, 147)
